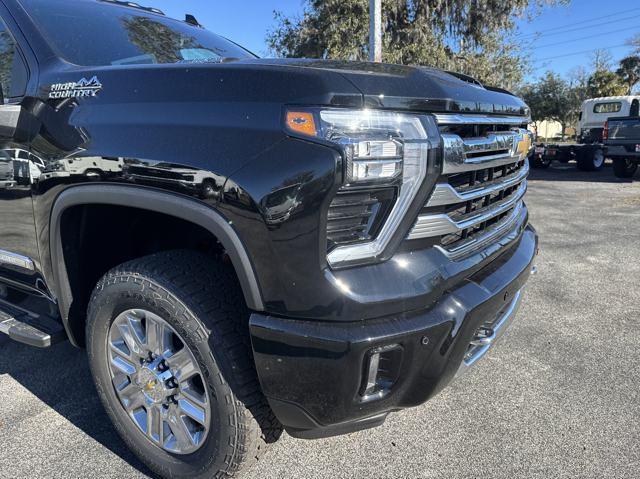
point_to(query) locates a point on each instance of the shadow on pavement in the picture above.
(569, 172)
(60, 378)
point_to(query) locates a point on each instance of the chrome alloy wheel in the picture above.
(158, 381)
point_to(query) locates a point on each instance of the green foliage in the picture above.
(469, 36)
(553, 98)
(605, 83)
(629, 72)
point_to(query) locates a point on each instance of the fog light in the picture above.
(381, 371)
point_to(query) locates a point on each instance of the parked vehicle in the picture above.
(363, 241)
(539, 158)
(622, 143)
(169, 175)
(589, 151)
(596, 111)
(590, 155)
(6, 171)
(96, 167)
(26, 166)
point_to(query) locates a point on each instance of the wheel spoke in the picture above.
(155, 424)
(130, 336)
(182, 365)
(193, 410)
(157, 336)
(120, 348)
(120, 381)
(123, 365)
(179, 429)
(131, 397)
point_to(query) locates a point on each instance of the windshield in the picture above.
(98, 33)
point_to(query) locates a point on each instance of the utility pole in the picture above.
(375, 31)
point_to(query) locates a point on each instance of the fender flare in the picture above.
(150, 200)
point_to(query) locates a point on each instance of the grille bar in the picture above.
(462, 248)
(445, 194)
(464, 119)
(443, 224)
(467, 154)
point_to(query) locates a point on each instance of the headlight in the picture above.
(386, 157)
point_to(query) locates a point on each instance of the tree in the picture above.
(629, 72)
(537, 103)
(559, 100)
(553, 98)
(470, 36)
(635, 42)
(605, 83)
(601, 60)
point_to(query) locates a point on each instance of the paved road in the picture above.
(559, 397)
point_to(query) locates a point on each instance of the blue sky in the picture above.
(583, 26)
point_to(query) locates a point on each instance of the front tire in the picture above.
(624, 167)
(213, 422)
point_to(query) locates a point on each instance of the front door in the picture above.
(18, 245)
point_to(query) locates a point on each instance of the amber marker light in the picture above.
(302, 123)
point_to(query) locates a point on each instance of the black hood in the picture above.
(414, 88)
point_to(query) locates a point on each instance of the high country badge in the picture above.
(81, 89)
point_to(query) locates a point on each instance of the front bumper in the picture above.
(314, 373)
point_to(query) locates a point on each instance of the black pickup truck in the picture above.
(622, 144)
(244, 245)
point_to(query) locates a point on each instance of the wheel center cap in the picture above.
(151, 385)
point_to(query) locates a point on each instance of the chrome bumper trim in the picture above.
(15, 259)
(481, 346)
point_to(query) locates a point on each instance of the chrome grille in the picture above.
(479, 197)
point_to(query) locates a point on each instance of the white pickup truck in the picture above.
(589, 151)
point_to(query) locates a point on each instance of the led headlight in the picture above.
(381, 150)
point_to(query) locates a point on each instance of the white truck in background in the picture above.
(596, 111)
(589, 151)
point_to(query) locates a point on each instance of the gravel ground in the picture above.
(559, 397)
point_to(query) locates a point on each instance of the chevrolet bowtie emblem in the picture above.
(150, 386)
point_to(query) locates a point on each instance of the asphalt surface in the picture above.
(558, 397)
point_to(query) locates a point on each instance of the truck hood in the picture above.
(413, 88)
